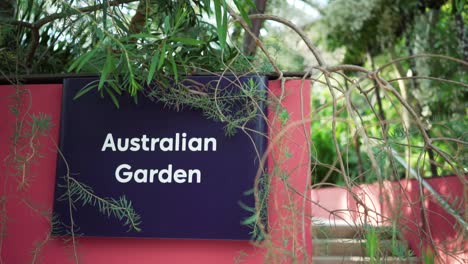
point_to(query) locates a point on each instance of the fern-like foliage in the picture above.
(120, 208)
(235, 105)
(259, 216)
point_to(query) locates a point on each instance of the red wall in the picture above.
(26, 210)
(403, 198)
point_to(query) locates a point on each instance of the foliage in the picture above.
(120, 208)
(372, 245)
(161, 41)
(259, 217)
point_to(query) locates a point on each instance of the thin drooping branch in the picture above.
(299, 31)
(429, 78)
(16, 23)
(51, 18)
(86, 9)
(427, 139)
(246, 27)
(315, 6)
(438, 56)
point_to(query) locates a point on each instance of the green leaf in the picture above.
(224, 28)
(249, 192)
(145, 35)
(105, 6)
(113, 84)
(120, 25)
(162, 56)
(112, 96)
(460, 4)
(250, 3)
(82, 60)
(188, 41)
(166, 25)
(152, 69)
(246, 207)
(83, 91)
(243, 11)
(106, 69)
(250, 220)
(174, 69)
(217, 6)
(221, 22)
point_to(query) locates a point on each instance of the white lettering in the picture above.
(194, 172)
(135, 146)
(167, 171)
(199, 144)
(179, 176)
(207, 142)
(120, 146)
(127, 174)
(108, 143)
(169, 146)
(143, 179)
(144, 140)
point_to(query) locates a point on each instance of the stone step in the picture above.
(347, 247)
(355, 259)
(336, 231)
(340, 229)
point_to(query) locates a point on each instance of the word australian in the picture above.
(180, 142)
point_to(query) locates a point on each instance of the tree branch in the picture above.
(315, 6)
(16, 23)
(45, 20)
(35, 27)
(86, 9)
(299, 31)
(246, 27)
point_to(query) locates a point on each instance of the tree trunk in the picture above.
(138, 20)
(249, 46)
(377, 91)
(460, 26)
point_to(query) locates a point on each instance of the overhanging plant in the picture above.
(131, 44)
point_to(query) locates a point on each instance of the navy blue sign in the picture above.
(184, 177)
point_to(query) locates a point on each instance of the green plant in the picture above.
(82, 194)
(428, 256)
(373, 245)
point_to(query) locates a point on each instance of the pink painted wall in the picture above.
(403, 198)
(26, 210)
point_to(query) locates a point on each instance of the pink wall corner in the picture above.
(26, 227)
(289, 204)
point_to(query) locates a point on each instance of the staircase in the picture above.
(341, 242)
